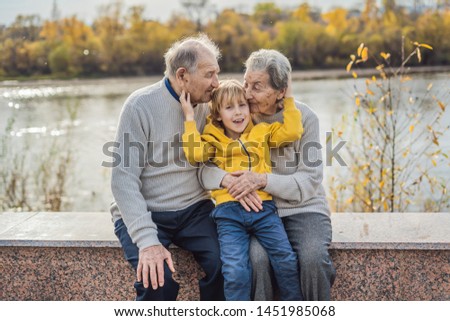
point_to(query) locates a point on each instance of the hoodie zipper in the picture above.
(248, 155)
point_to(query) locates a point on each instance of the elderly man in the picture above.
(158, 199)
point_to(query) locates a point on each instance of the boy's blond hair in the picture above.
(229, 90)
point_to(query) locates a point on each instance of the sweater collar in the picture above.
(170, 89)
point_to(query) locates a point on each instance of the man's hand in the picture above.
(186, 106)
(246, 183)
(249, 201)
(151, 263)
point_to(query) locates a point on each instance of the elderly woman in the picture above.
(295, 183)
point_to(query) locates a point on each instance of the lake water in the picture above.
(42, 112)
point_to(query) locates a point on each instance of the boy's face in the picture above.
(235, 116)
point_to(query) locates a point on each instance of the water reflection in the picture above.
(88, 112)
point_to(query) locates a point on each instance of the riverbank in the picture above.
(296, 75)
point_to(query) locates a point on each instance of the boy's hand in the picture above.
(186, 106)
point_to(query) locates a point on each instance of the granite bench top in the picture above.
(415, 231)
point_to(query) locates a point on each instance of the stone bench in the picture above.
(75, 256)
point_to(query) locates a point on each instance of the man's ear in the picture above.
(181, 76)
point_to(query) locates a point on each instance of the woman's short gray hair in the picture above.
(184, 53)
(274, 63)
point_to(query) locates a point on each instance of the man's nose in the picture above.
(215, 81)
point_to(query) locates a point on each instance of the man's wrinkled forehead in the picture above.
(207, 60)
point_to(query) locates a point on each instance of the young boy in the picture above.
(232, 142)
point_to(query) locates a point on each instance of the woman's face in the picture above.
(261, 97)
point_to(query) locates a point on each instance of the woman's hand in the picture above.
(250, 201)
(186, 106)
(288, 93)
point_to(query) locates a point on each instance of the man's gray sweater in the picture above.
(153, 174)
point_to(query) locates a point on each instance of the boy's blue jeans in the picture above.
(235, 226)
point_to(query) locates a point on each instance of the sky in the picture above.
(161, 10)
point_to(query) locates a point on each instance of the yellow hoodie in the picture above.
(251, 151)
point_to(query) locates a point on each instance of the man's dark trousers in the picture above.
(191, 229)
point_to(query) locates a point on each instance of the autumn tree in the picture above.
(393, 139)
(237, 36)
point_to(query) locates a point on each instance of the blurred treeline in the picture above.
(121, 41)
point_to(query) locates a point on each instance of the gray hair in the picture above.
(185, 53)
(274, 63)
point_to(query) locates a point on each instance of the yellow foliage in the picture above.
(424, 45)
(385, 55)
(365, 54)
(419, 55)
(360, 48)
(349, 66)
(405, 79)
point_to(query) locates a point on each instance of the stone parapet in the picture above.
(75, 256)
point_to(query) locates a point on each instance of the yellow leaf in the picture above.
(385, 55)
(349, 66)
(340, 134)
(374, 78)
(365, 54)
(405, 79)
(381, 184)
(435, 139)
(416, 43)
(434, 162)
(355, 75)
(441, 105)
(349, 200)
(411, 128)
(372, 110)
(360, 48)
(370, 92)
(405, 153)
(366, 181)
(385, 206)
(429, 86)
(379, 67)
(419, 55)
(367, 82)
(425, 46)
(358, 101)
(352, 57)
